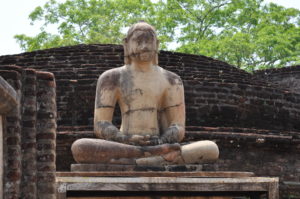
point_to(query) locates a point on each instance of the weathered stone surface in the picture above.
(116, 167)
(161, 186)
(179, 171)
(241, 149)
(152, 106)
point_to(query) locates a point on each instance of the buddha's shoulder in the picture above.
(109, 79)
(172, 77)
(112, 74)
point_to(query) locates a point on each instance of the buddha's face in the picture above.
(142, 46)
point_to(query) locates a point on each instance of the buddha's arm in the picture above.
(175, 114)
(106, 98)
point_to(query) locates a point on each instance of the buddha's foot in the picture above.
(197, 152)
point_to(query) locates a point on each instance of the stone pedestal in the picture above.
(117, 167)
(184, 185)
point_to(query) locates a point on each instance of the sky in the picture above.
(14, 20)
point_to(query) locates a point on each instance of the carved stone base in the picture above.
(117, 167)
(204, 185)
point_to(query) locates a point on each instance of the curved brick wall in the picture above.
(217, 94)
(287, 78)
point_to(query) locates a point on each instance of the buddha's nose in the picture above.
(144, 46)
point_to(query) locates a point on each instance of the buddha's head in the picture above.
(141, 44)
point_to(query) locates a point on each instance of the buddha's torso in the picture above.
(141, 95)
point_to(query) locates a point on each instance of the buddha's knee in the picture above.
(80, 149)
(200, 152)
(86, 150)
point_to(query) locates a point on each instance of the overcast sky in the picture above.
(14, 20)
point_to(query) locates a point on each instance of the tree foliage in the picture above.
(249, 34)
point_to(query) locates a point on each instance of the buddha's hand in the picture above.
(106, 130)
(155, 140)
(139, 140)
(173, 134)
(144, 140)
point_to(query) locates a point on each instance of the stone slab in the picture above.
(117, 167)
(149, 197)
(218, 174)
(199, 186)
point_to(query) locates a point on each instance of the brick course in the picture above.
(217, 94)
(286, 78)
(28, 184)
(46, 135)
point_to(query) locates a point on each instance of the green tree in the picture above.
(246, 33)
(84, 21)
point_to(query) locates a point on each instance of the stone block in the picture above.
(117, 167)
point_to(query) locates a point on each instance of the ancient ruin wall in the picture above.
(29, 135)
(216, 93)
(286, 78)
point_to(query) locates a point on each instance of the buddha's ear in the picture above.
(155, 58)
(126, 51)
(125, 45)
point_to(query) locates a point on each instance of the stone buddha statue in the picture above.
(152, 106)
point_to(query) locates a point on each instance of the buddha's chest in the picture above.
(143, 89)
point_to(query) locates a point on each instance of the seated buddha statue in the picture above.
(151, 100)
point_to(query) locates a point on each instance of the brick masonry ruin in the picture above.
(253, 118)
(29, 134)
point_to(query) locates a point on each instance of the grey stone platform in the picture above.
(173, 185)
(116, 167)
